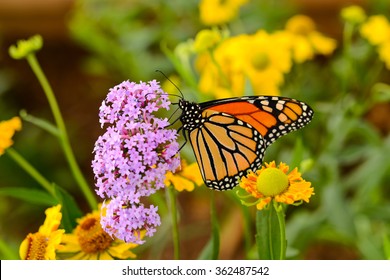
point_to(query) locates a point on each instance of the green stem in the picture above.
(271, 233)
(26, 166)
(63, 137)
(282, 230)
(214, 228)
(175, 224)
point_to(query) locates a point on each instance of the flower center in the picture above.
(37, 246)
(260, 61)
(92, 237)
(272, 181)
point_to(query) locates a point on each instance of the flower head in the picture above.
(305, 41)
(186, 178)
(42, 245)
(26, 47)
(7, 131)
(90, 242)
(275, 182)
(132, 157)
(215, 12)
(353, 14)
(134, 154)
(261, 58)
(129, 222)
(376, 30)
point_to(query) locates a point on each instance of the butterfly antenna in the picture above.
(162, 73)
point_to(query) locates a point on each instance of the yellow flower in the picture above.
(90, 242)
(186, 179)
(7, 131)
(305, 41)
(376, 30)
(266, 60)
(275, 183)
(42, 245)
(221, 75)
(215, 12)
(261, 58)
(353, 14)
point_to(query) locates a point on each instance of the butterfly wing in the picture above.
(235, 132)
(225, 148)
(271, 116)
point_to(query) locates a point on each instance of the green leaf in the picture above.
(381, 92)
(70, 210)
(386, 246)
(41, 123)
(35, 196)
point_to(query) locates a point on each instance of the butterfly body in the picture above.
(229, 136)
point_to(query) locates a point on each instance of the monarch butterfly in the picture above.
(229, 136)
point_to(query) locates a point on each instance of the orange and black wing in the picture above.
(225, 148)
(271, 116)
(230, 136)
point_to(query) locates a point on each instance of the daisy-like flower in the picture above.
(306, 42)
(7, 131)
(215, 12)
(186, 178)
(266, 60)
(377, 31)
(273, 182)
(42, 245)
(90, 242)
(133, 156)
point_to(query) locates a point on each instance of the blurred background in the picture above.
(92, 45)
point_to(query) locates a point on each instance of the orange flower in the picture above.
(275, 182)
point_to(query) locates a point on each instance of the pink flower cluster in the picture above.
(132, 157)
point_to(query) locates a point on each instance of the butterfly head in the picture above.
(191, 116)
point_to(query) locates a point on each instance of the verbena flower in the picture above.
(90, 242)
(42, 245)
(186, 178)
(129, 222)
(7, 131)
(216, 12)
(133, 156)
(273, 182)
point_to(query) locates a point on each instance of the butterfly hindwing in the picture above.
(225, 148)
(229, 136)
